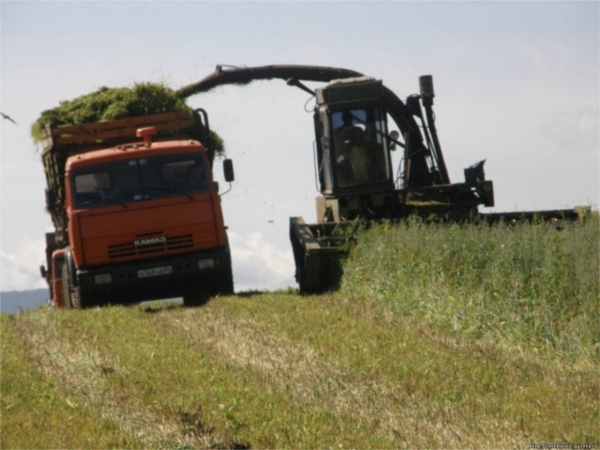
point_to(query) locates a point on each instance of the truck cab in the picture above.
(139, 214)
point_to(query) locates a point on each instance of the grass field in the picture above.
(440, 337)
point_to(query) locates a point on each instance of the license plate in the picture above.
(156, 271)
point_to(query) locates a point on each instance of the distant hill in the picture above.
(12, 301)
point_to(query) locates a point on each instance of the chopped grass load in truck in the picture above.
(136, 212)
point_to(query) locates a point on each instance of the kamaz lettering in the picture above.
(150, 241)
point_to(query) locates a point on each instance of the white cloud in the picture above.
(20, 269)
(258, 264)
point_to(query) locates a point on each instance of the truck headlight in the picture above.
(206, 263)
(104, 278)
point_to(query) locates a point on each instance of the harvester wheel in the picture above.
(324, 278)
(303, 285)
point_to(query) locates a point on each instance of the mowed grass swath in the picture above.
(442, 336)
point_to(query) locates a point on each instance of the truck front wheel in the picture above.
(199, 292)
(195, 297)
(82, 300)
(226, 285)
(67, 287)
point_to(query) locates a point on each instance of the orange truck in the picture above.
(136, 212)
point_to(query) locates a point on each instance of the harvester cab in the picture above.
(353, 151)
(353, 155)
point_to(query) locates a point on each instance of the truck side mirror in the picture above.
(228, 170)
(43, 271)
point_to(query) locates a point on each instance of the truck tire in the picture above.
(76, 298)
(195, 298)
(66, 287)
(73, 296)
(226, 284)
(81, 300)
(199, 293)
(226, 287)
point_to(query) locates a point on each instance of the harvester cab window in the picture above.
(360, 147)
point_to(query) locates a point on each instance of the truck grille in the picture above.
(129, 249)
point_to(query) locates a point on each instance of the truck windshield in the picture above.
(139, 179)
(360, 145)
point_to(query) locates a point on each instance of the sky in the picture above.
(517, 84)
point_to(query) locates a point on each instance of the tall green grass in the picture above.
(531, 286)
